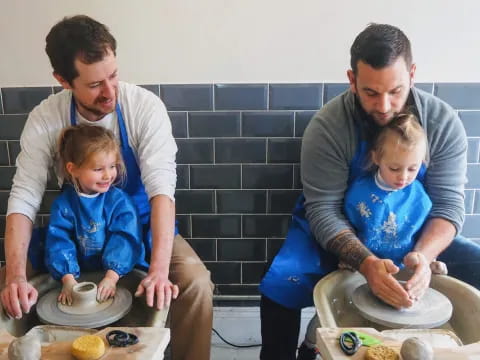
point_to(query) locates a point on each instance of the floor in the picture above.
(224, 352)
(231, 323)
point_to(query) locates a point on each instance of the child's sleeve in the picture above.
(124, 246)
(60, 248)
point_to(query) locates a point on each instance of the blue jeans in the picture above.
(463, 260)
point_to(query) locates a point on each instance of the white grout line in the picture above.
(213, 148)
(8, 154)
(241, 273)
(241, 125)
(15, 114)
(191, 224)
(267, 140)
(266, 201)
(250, 164)
(188, 122)
(473, 201)
(322, 97)
(293, 177)
(266, 249)
(229, 189)
(239, 214)
(247, 137)
(213, 97)
(1, 101)
(241, 176)
(268, 96)
(478, 154)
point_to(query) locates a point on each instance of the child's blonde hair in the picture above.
(78, 143)
(407, 131)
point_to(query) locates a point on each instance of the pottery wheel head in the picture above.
(85, 311)
(432, 310)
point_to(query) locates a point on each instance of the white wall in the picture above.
(204, 41)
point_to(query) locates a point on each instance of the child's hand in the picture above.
(65, 297)
(107, 287)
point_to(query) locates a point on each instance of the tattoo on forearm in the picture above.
(348, 248)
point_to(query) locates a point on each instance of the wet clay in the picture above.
(432, 310)
(416, 349)
(25, 348)
(85, 311)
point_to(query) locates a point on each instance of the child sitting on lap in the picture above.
(93, 224)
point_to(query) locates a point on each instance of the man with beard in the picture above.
(82, 53)
(334, 148)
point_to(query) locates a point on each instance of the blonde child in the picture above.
(389, 206)
(93, 225)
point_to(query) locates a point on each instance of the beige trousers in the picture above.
(191, 313)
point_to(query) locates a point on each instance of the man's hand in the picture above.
(420, 280)
(18, 296)
(65, 296)
(108, 286)
(438, 268)
(379, 274)
(157, 285)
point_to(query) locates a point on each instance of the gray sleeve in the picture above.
(327, 149)
(446, 173)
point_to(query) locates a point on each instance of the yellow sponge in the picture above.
(381, 352)
(88, 347)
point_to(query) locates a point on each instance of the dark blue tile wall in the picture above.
(20, 100)
(238, 164)
(241, 97)
(460, 96)
(187, 97)
(4, 159)
(295, 96)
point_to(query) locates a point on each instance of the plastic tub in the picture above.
(140, 314)
(332, 298)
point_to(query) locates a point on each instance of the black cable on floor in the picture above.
(234, 345)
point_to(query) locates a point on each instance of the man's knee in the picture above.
(188, 271)
(195, 280)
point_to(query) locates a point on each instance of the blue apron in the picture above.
(302, 262)
(133, 186)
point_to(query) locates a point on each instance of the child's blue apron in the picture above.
(301, 261)
(133, 186)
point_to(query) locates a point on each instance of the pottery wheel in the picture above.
(94, 315)
(432, 310)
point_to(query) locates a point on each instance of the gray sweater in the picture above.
(330, 142)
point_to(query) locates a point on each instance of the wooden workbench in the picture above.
(327, 343)
(151, 345)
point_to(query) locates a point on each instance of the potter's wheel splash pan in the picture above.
(432, 310)
(85, 310)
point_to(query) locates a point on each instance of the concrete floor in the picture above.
(241, 325)
(224, 352)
